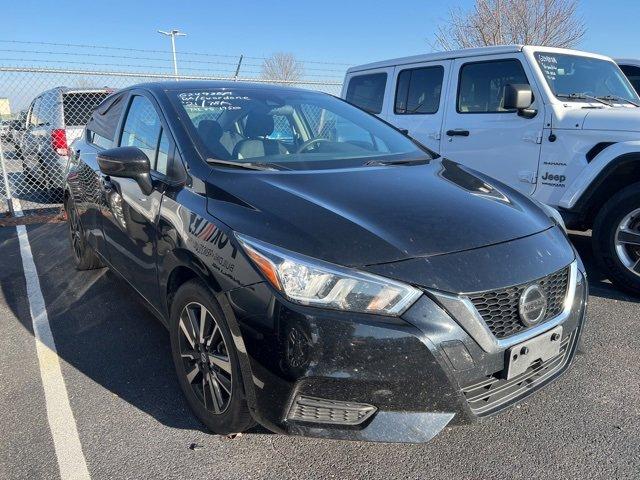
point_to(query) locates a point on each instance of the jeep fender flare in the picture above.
(581, 190)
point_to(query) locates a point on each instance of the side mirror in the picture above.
(127, 162)
(519, 97)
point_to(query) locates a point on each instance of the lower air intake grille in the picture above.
(319, 410)
(499, 308)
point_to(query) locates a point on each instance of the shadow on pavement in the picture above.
(102, 329)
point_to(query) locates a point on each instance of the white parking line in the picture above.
(71, 461)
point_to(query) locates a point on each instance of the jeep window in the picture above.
(367, 91)
(633, 74)
(291, 129)
(418, 90)
(482, 85)
(575, 78)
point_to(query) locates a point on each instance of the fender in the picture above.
(596, 172)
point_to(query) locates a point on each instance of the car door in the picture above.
(43, 162)
(84, 177)
(480, 133)
(418, 103)
(130, 217)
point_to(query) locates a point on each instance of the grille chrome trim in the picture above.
(465, 313)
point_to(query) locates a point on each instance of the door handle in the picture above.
(458, 133)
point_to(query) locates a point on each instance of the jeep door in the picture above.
(479, 132)
(418, 105)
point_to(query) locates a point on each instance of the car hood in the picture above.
(373, 215)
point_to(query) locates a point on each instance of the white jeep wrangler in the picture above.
(559, 125)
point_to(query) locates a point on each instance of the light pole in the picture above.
(173, 34)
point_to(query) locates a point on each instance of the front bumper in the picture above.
(421, 372)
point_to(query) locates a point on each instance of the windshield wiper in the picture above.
(379, 163)
(615, 98)
(245, 165)
(583, 96)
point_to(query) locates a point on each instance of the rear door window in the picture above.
(367, 91)
(79, 106)
(482, 85)
(418, 90)
(34, 119)
(49, 111)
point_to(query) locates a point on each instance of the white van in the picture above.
(559, 125)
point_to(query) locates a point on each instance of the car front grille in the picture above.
(499, 308)
(490, 394)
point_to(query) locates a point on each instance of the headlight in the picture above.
(553, 214)
(312, 282)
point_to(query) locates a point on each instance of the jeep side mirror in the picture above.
(127, 162)
(519, 97)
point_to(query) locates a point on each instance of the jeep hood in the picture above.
(620, 119)
(372, 215)
(616, 119)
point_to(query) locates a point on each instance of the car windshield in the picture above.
(293, 129)
(573, 77)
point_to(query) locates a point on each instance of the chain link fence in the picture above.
(49, 109)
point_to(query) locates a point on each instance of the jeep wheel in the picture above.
(616, 238)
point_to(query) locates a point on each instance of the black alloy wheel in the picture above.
(207, 361)
(83, 255)
(205, 358)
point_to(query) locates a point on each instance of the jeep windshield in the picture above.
(289, 129)
(578, 78)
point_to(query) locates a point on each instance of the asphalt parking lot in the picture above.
(132, 421)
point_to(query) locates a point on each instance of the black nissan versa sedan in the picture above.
(321, 273)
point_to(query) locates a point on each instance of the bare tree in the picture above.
(553, 23)
(282, 67)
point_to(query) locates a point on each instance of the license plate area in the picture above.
(538, 349)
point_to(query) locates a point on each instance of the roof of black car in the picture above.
(226, 84)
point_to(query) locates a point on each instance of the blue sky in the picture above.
(343, 31)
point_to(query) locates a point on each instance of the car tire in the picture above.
(616, 253)
(214, 390)
(83, 255)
